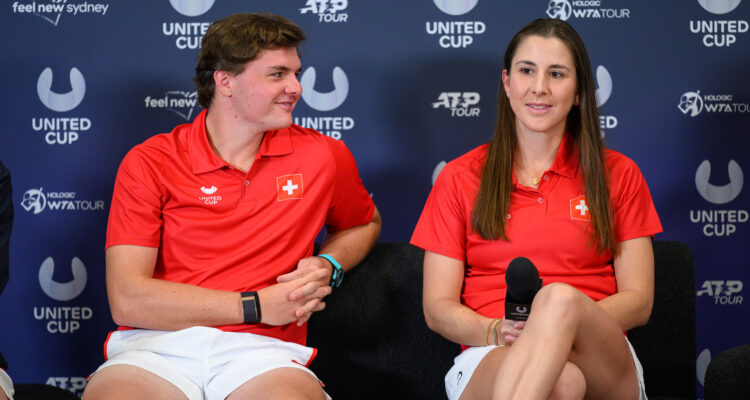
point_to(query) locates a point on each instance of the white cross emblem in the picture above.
(289, 187)
(582, 207)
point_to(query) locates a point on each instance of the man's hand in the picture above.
(299, 293)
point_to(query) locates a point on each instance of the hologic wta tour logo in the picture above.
(694, 103)
(36, 200)
(187, 35)
(719, 222)
(455, 34)
(327, 10)
(182, 103)
(61, 130)
(719, 32)
(332, 126)
(584, 9)
(53, 10)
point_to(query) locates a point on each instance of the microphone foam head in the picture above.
(522, 279)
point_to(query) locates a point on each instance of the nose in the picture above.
(294, 87)
(540, 84)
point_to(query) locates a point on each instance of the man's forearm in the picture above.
(350, 246)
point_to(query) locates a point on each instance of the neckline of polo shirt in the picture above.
(564, 164)
(202, 156)
(276, 143)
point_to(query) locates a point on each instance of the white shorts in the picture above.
(466, 362)
(6, 385)
(204, 363)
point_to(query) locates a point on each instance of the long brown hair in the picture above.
(493, 200)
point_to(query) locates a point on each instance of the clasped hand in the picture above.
(510, 330)
(298, 294)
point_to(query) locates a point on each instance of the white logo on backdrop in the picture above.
(455, 7)
(559, 9)
(34, 199)
(691, 102)
(62, 291)
(180, 102)
(191, 8)
(719, 194)
(719, 6)
(61, 102)
(604, 80)
(701, 365)
(437, 170)
(324, 101)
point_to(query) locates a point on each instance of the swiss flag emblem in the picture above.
(289, 187)
(579, 209)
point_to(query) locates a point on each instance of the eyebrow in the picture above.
(282, 68)
(526, 62)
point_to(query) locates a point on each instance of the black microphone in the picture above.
(522, 281)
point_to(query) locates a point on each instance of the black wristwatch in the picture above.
(338, 273)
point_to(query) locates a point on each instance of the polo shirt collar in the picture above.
(566, 160)
(202, 156)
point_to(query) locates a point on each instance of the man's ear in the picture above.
(223, 83)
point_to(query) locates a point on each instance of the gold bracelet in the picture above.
(489, 327)
(498, 323)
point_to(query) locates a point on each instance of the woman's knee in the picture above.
(571, 385)
(560, 297)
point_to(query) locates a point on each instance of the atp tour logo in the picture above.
(179, 102)
(209, 199)
(461, 104)
(721, 222)
(61, 130)
(719, 33)
(603, 93)
(455, 34)
(36, 201)
(693, 103)
(75, 384)
(63, 319)
(327, 10)
(52, 10)
(723, 292)
(324, 102)
(589, 9)
(187, 35)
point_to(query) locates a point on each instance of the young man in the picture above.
(211, 230)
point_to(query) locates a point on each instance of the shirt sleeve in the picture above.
(6, 224)
(633, 209)
(135, 216)
(351, 204)
(442, 226)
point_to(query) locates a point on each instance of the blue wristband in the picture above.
(338, 273)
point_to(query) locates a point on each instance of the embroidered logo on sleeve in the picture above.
(579, 209)
(289, 187)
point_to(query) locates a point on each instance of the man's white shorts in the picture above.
(466, 362)
(204, 363)
(6, 385)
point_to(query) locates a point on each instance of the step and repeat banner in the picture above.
(411, 84)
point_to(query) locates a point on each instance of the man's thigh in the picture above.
(129, 382)
(280, 383)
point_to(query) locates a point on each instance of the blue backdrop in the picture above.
(407, 85)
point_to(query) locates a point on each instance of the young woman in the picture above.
(544, 188)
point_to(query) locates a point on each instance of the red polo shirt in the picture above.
(219, 228)
(548, 225)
